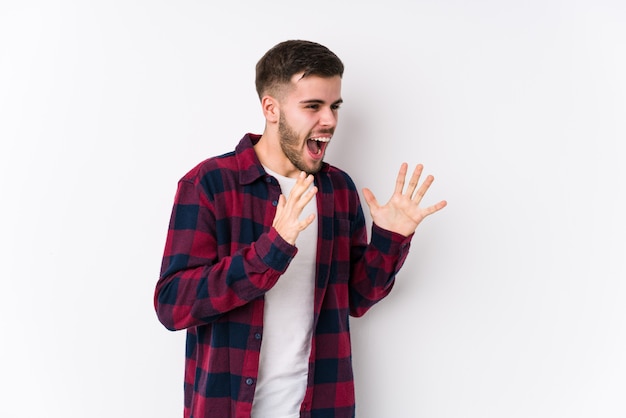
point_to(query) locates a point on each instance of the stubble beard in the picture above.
(290, 143)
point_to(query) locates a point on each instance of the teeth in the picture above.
(324, 139)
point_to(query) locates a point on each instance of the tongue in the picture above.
(314, 146)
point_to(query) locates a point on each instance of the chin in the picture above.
(314, 168)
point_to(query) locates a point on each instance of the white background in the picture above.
(511, 303)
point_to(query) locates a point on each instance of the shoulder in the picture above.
(213, 176)
(211, 166)
(229, 170)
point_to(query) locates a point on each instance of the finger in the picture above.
(370, 199)
(435, 208)
(304, 180)
(400, 178)
(303, 183)
(306, 197)
(307, 221)
(298, 200)
(295, 190)
(423, 188)
(414, 181)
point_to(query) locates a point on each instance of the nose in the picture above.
(328, 117)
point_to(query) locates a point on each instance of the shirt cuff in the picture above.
(390, 242)
(275, 252)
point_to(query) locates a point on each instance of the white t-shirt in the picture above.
(288, 326)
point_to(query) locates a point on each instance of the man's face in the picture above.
(308, 119)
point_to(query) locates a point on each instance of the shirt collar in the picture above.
(250, 168)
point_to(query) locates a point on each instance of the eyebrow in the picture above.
(317, 101)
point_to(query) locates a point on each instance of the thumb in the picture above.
(370, 199)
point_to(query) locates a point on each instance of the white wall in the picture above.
(511, 303)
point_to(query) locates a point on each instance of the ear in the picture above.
(271, 109)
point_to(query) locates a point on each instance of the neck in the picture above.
(271, 155)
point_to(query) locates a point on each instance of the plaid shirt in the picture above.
(222, 255)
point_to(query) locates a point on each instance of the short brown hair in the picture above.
(291, 57)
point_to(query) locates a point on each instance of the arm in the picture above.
(203, 276)
(373, 266)
(394, 225)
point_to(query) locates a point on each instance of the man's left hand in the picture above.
(402, 213)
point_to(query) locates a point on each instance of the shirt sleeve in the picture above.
(201, 278)
(374, 266)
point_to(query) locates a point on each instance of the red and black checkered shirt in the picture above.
(222, 255)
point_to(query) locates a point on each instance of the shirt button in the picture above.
(268, 179)
(249, 381)
(257, 336)
(275, 203)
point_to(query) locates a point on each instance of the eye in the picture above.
(313, 106)
(335, 106)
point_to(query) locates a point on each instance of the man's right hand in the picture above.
(287, 218)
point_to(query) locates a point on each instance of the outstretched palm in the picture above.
(402, 213)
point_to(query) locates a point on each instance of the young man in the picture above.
(267, 254)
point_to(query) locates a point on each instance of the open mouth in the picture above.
(317, 146)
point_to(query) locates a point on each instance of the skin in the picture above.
(308, 108)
